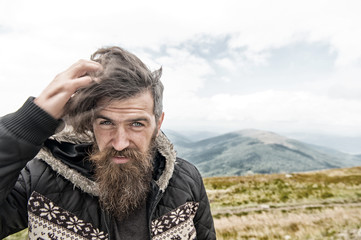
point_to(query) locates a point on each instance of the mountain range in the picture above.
(254, 151)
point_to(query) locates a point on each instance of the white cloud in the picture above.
(227, 63)
(183, 72)
(273, 110)
(259, 25)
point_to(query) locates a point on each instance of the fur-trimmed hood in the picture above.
(80, 180)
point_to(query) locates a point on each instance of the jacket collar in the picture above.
(164, 147)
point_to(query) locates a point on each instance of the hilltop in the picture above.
(253, 151)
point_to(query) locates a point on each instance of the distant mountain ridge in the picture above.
(255, 151)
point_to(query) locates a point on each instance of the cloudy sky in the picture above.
(292, 67)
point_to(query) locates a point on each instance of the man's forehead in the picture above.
(141, 102)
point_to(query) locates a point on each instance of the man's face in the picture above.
(126, 124)
(125, 135)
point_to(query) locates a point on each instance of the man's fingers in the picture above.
(54, 97)
(83, 67)
(79, 75)
(82, 82)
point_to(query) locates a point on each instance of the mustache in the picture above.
(128, 153)
(108, 153)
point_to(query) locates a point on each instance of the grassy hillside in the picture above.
(316, 205)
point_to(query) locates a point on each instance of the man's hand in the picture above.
(58, 92)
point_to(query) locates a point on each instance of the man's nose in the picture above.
(120, 140)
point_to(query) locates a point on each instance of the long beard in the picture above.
(123, 187)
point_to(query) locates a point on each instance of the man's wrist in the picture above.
(30, 123)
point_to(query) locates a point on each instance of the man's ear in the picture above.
(159, 123)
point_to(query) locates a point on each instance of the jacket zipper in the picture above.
(155, 203)
(107, 221)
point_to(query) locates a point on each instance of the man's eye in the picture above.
(105, 123)
(137, 124)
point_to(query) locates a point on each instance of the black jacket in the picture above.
(46, 185)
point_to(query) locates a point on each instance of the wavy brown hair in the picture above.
(124, 76)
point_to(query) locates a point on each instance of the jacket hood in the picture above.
(75, 147)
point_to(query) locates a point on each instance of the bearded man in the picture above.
(110, 173)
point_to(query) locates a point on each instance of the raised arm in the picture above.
(22, 134)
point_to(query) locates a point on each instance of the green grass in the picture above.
(18, 236)
(315, 205)
(278, 189)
